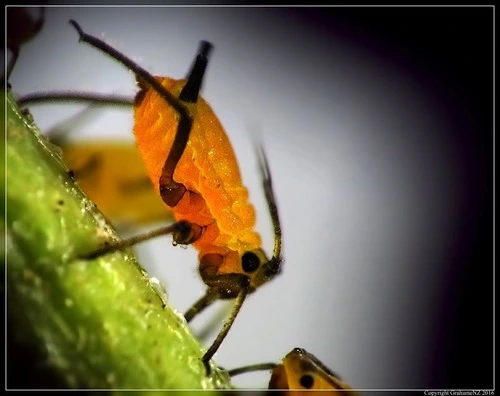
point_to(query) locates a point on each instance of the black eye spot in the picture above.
(307, 381)
(250, 262)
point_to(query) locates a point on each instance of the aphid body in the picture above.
(301, 370)
(192, 165)
(215, 198)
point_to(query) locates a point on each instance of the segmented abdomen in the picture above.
(208, 167)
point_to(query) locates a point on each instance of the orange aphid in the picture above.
(193, 167)
(215, 198)
(299, 371)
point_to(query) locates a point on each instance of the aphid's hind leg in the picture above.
(170, 190)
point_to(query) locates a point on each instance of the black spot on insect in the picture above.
(249, 262)
(306, 381)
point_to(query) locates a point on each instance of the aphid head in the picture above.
(252, 263)
(302, 370)
(259, 268)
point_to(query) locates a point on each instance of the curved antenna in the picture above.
(273, 266)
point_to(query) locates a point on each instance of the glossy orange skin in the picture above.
(216, 198)
(297, 363)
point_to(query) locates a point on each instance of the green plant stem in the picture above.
(99, 323)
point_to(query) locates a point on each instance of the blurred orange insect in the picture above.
(193, 168)
(299, 371)
(114, 177)
(110, 172)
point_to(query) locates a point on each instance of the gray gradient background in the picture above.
(381, 166)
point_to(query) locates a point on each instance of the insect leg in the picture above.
(240, 299)
(131, 65)
(176, 228)
(71, 96)
(251, 368)
(210, 296)
(222, 286)
(171, 191)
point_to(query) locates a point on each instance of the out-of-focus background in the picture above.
(378, 127)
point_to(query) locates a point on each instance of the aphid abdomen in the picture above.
(154, 128)
(208, 168)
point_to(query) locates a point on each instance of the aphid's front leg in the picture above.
(178, 228)
(221, 286)
(240, 299)
(206, 300)
(251, 368)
